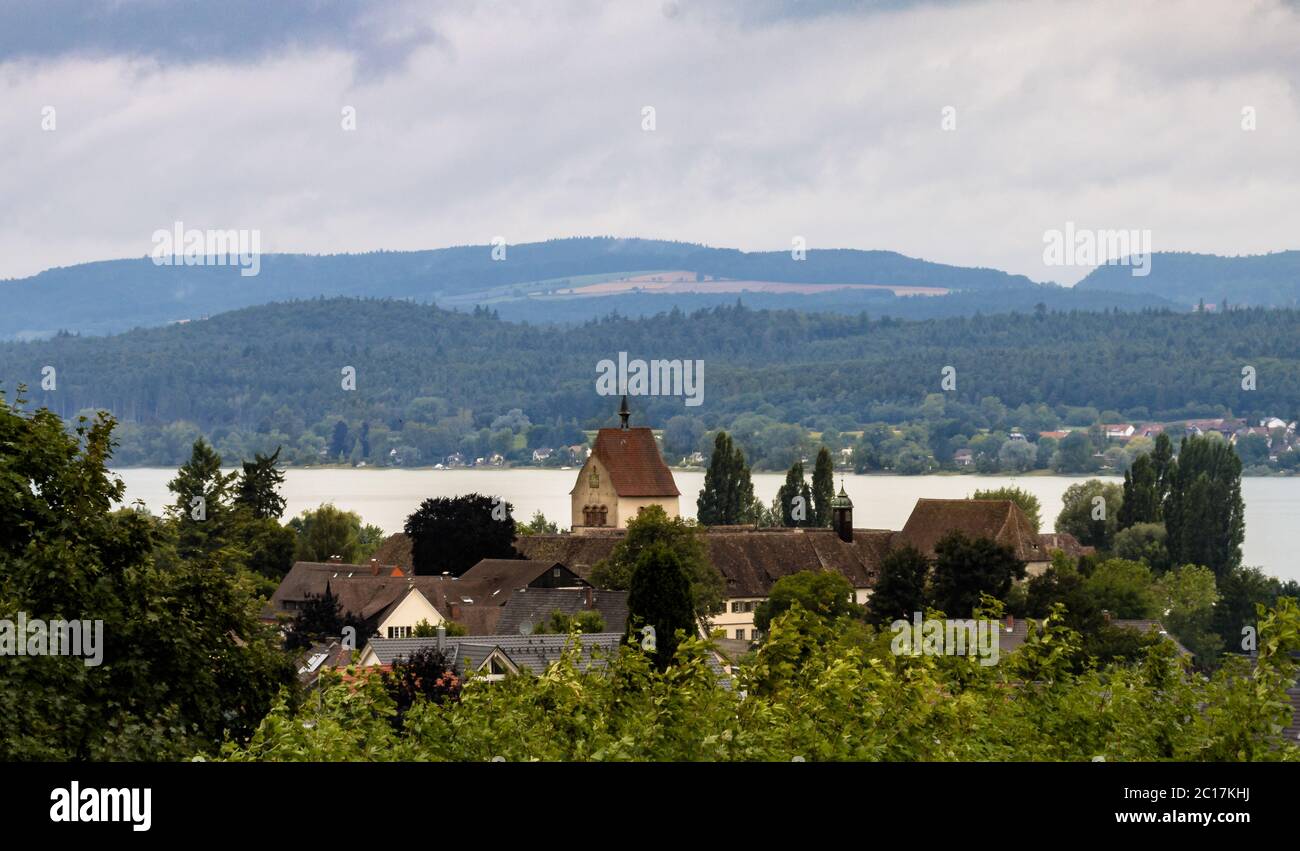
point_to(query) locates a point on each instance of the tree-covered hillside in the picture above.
(429, 378)
(1187, 279)
(113, 296)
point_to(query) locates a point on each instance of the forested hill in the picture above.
(1187, 279)
(113, 296)
(275, 371)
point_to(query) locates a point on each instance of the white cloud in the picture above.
(525, 120)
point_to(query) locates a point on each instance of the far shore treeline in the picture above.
(432, 384)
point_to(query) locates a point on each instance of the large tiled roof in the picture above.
(529, 606)
(508, 574)
(750, 560)
(999, 519)
(579, 553)
(631, 457)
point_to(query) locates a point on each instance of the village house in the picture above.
(752, 559)
(1118, 431)
(393, 602)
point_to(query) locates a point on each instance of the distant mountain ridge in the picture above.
(117, 295)
(1261, 280)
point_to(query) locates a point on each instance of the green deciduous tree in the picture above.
(965, 568)
(1028, 503)
(1187, 596)
(1144, 542)
(180, 659)
(659, 595)
(326, 532)
(454, 534)
(1123, 588)
(1090, 512)
(652, 526)
(901, 588)
(827, 595)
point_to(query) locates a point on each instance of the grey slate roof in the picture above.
(532, 653)
(527, 652)
(528, 607)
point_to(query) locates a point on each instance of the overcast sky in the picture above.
(772, 120)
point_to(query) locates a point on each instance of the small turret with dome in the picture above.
(842, 514)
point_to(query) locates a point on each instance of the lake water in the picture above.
(385, 497)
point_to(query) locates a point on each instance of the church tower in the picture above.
(623, 474)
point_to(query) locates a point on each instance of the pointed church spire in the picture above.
(623, 412)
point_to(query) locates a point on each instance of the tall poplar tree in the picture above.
(795, 487)
(1142, 496)
(823, 487)
(727, 497)
(1205, 515)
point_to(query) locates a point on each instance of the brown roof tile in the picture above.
(632, 458)
(999, 519)
(508, 574)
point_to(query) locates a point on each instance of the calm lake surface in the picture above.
(385, 497)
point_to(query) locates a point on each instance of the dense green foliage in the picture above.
(965, 569)
(1027, 502)
(184, 661)
(727, 498)
(452, 534)
(430, 383)
(652, 527)
(901, 588)
(827, 595)
(659, 597)
(816, 691)
(1090, 512)
(1204, 513)
(328, 531)
(1188, 279)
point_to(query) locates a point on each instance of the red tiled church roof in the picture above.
(631, 457)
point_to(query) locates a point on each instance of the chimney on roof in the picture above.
(453, 610)
(1011, 623)
(336, 559)
(374, 567)
(442, 635)
(591, 597)
(624, 413)
(1105, 615)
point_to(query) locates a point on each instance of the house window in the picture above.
(555, 571)
(740, 633)
(399, 632)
